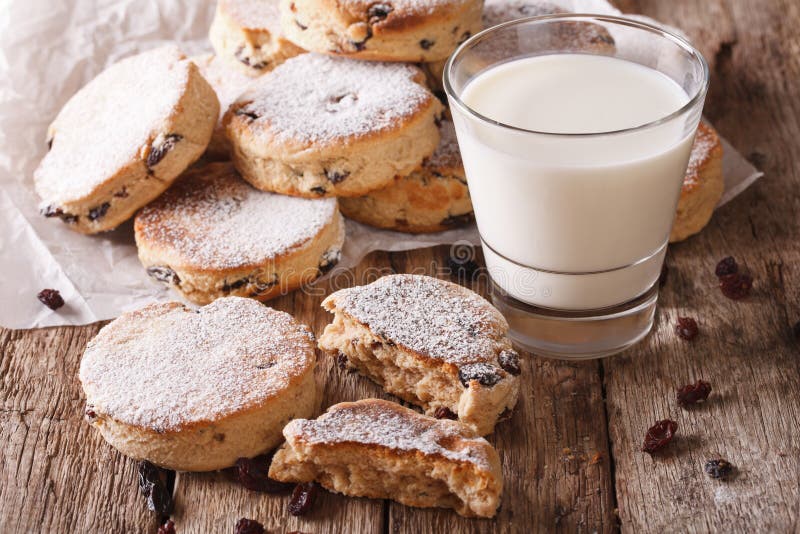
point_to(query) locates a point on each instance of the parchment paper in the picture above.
(51, 48)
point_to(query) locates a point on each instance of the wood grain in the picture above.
(745, 348)
(59, 476)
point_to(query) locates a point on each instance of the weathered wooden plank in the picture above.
(58, 473)
(745, 349)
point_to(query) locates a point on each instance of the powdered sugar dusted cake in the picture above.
(214, 235)
(379, 449)
(430, 199)
(703, 185)
(322, 126)
(121, 140)
(430, 342)
(397, 30)
(247, 35)
(195, 390)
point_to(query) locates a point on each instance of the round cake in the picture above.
(321, 126)
(396, 30)
(430, 199)
(195, 390)
(120, 141)
(213, 235)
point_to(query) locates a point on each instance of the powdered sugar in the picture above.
(404, 7)
(447, 154)
(166, 366)
(253, 14)
(498, 11)
(105, 125)
(213, 219)
(705, 141)
(386, 424)
(316, 99)
(435, 318)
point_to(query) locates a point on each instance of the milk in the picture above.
(574, 222)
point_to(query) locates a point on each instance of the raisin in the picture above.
(236, 284)
(99, 212)
(167, 528)
(464, 36)
(164, 274)
(249, 526)
(90, 414)
(426, 44)
(239, 54)
(509, 362)
(153, 485)
(662, 279)
(736, 286)
(303, 27)
(302, 498)
(329, 260)
(336, 176)
(362, 44)
(659, 435)
(51, 298)
(50, 144)
(718, 468)
(157, 152)
(485, 374)
(693, 393)
(253, 474)
(245, 113)
(341, 361)
(457, 220)
(319, 190)
(726, 266)
(378, 12)
(122, 193)
(54, 211)
(443, 412)
(686, 328)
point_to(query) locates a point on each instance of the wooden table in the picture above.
(571, 452)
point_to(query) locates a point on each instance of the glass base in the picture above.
(577, 335)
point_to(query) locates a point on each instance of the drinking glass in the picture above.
(575, 226)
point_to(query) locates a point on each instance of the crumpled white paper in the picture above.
(48, 50)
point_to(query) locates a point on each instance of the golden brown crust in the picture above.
(703, 185)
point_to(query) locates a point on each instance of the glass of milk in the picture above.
(575, 131)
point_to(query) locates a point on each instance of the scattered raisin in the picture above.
(164, 274)
(443, 412)
(693, 393)
(318, 190)
(49, 144)
(253, 474)
(736, 286)
(303, 27)
(726, 266)
(247, 60)
(99, 212)
(157, 152)
(51, 298)
(463, 270)
(153, 485)
(54, 211)
(484, 373)
(122, 193)
(426, 44)
(659, 435)
(378, 12)
(509, 361)
(302, 498)
(718, 468)
(341, 361)
(686, 328)
(249, 526)
(90, 414)
(236, 284)
(167, 528)
(464, 36)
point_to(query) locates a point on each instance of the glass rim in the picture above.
(621, 21)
